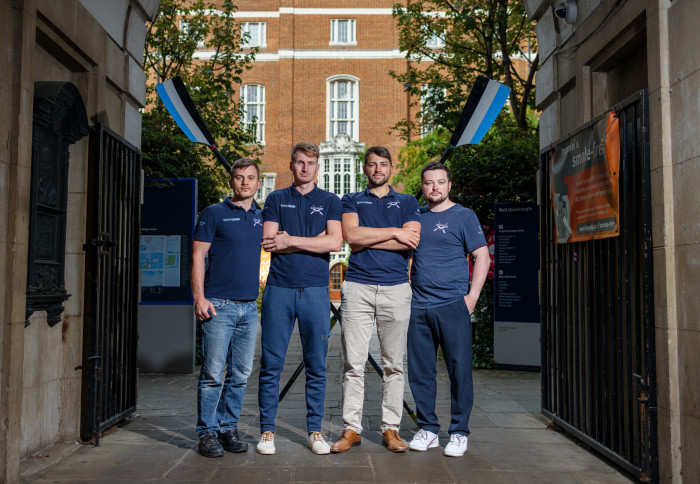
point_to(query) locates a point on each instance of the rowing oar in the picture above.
(485, 101)
(179, 104)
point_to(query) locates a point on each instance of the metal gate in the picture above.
(598, 358)
(112, 282)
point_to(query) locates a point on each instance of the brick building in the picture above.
(322, 75)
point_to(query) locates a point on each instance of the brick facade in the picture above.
(297, 60)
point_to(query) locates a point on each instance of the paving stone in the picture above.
(509, 441)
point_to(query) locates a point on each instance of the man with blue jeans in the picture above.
(441, 309)
(382, 227)
(225, 294)
(301, 226)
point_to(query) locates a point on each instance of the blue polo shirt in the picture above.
(235, 235)
(377, 266)
(300, 216)
(440, 271)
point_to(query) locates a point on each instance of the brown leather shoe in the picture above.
(347, 439)
(393, 441)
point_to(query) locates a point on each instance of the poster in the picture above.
(585, 183)
(160, 260)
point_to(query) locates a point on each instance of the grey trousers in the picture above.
(361, 306)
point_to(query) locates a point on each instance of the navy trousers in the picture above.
(281, 306)
(450, 328)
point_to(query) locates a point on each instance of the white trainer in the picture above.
(317, 444)
(266, 445)
(423, 441)
(457, 446)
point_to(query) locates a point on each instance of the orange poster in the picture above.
(584, 183)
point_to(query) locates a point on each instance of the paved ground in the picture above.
(509, 441)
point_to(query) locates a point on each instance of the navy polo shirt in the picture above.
(300, 216)
(235, 235)
(440, 271)
(378, 266)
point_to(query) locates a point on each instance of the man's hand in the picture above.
(276, 243)
(202, 307)
(407, 236)
(470, 302)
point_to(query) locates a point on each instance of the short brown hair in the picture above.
(242, 163)
(435, 165)
(379, 151)
(309, 149)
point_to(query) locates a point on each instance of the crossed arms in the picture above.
(274, 240)
(387, 238)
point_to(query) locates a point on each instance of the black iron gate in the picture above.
(598, 358)
(112, 282)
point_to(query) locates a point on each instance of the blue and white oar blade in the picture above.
(179, 104)
(485, 101)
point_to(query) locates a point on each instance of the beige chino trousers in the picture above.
(362, 305)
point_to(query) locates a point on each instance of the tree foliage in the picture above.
(461, 40)
(172, 49)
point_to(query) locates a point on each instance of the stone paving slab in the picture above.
(509, 441)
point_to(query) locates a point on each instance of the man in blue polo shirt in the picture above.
(301, 226)
(441, 309)
(225, 294)
(381, 227)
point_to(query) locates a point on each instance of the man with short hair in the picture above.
(441, 309)
(382, 227)
(225, 294)
(301, 226)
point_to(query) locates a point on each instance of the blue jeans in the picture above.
(450, 327)
(228, 341)
(310, 306)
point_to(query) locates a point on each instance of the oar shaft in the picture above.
(222, 159)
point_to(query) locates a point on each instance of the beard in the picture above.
(375, 184)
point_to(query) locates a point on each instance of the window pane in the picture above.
(336, 165)
(326, 165)
(346, 183)
(336, 183)
(346, 165)
(326, 182)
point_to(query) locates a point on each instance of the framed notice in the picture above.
(585, 183)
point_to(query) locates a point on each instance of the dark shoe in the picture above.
(230, 441)
(393, 441)
(209, 446)
(347, 439)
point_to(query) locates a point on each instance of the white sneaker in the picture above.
(266, 446)
(457, 446)
(423, 441)
(317, 444)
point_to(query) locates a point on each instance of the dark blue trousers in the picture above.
(310, 306)
(450, 328)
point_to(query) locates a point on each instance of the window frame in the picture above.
(352, 31)
(245, 28)
(331, 120)
(260, 123)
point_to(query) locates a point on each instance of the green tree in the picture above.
(461, 41)
(172, 44)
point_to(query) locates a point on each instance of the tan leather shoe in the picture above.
(393, 441)
(347, 439)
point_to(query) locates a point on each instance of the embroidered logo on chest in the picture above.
(393, 204)
(314, 209)
(257, 221)
(440, 226)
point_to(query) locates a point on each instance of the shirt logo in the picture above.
(439, 226)
(314, 210)
(368, 203)
(393, 204)
(231, 219)
(202, 223)
(257, 221)
(286, 205)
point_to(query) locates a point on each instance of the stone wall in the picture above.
(589, 66)
(98, 46)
